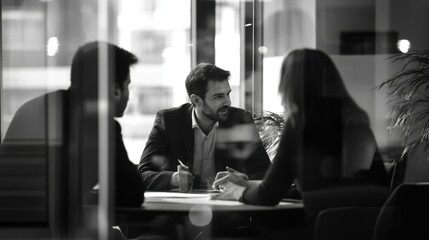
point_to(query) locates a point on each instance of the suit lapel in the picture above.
(188, 135)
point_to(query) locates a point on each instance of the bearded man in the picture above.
(198, 142)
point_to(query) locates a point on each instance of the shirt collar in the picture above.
(195, 123)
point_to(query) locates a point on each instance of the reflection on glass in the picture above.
(158, 32)
(28, 156)
(227, 44)
(25, 58)
(287, 25)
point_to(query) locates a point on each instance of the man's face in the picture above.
(122, 98)
(217, 101)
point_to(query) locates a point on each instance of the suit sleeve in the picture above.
(258, 162)
(154, 157)
(129, 185)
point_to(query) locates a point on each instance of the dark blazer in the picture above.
(172, 138)
(129, 186)
(44, 136)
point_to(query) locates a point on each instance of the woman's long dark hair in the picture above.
(310, 79)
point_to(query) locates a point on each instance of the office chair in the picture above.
(33, 172)
(351, 223)
(405, 215)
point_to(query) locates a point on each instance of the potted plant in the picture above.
(408, 91)
(270, 127)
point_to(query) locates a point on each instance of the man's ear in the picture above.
(117, 92)
(196, 100)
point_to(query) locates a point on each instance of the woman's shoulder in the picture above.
(353, 115)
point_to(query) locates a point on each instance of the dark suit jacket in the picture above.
(42, 124)
(129, 187)
(172, 138)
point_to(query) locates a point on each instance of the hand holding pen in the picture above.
(229, 175)
(182, 164)
(183, 177)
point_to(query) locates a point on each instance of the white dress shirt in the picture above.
(204, 153)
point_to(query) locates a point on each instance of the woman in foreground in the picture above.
(327, 147)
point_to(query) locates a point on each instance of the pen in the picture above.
(182, 164)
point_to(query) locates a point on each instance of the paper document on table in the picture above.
(148, 195)
(187, 198)
(209, 201)
(194, 199)
(203, 201)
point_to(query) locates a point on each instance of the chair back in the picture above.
(405, 215)
(417, 165)
(33, 171)
(351, 223)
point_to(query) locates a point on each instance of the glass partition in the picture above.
(358, 35)
(49, 148)
(287, 25)
(250, 38)
(159, 32)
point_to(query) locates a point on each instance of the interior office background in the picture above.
(247, 37)
(39, 38)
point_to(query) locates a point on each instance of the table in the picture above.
(183, 203)
(192, 213)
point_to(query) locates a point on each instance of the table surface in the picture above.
(174, 203)
(189, 215)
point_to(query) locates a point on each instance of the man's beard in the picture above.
(216, 116)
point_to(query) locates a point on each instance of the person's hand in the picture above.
(183, 179)
(230, 191)
(233, 171)
(231, 175)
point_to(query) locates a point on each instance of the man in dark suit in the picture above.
(195, 143)
(43, 124)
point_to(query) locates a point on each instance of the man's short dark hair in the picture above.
(85, 63)
(197, 80)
